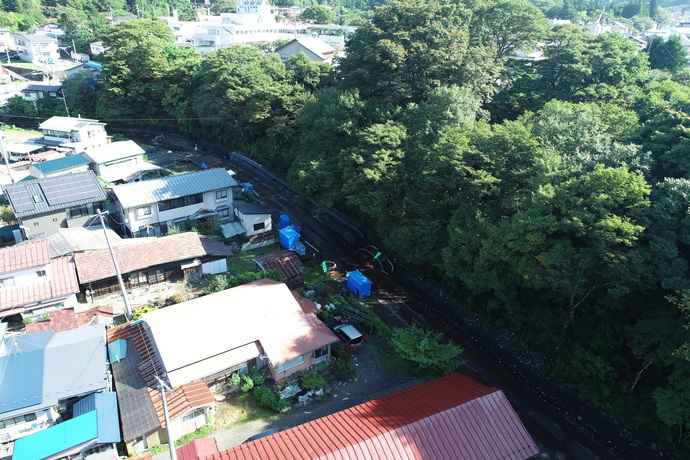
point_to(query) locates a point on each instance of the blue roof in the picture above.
(59, 164)
(58, 438)
(117, 350)
(105, 405)
(65, 364)
(22, 364)
(167, 188)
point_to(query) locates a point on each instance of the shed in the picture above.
(358, 284)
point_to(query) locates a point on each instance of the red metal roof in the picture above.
(66, 319)
(25, 255)
(198, 449)
(449, 418)
(62, 282)
(97, 265)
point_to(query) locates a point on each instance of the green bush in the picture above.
(312, 381)
(140, 311)
(45, 317)
(267, 398)
(234, 380)
(28, 320)
(427, 349)
(248, 383)
(344, 367)
(203, 432)
(257, 378)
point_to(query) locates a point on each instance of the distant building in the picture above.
(315, 49)
(87, 70)
(97, 48)
(39, 93)
(75, 134)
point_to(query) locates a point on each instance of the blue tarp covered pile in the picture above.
(358, 284)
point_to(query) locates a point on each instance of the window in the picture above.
(143, 211)
(17, 420)
(35, 224)
(54, 219)
(156, 276)
(221, 195)
(223, 212)
(41, 273)
(292, 363)
(37, 198)
(323, 351)
(193, 415)
(259, 226)
(181, 202)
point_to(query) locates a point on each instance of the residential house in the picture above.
(453, 417)
(136, 374)
(66, 201)
(37, 48)
(314, 48)
(150, 208)
(257, 325)
(45, 374)
(32, 284)
(97, 48)
(255, 219)
(121, 161)
(59, 166)
(93, 430)
(75, 134)
(69, 241)
(38, 93)
(6, 41)
(287, 263)
(148, 261)
(86, 71)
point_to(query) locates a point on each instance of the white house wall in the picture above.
(214, 267)
(28, 276)
(249, 220)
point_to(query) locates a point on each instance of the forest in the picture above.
(551, 196)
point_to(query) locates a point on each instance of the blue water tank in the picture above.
(358, 284)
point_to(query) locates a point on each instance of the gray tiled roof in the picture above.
(167, 188)
(54, 193)
(73, 364)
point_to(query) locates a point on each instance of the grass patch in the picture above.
(315, 274)
(182, 167)
(239, 409)
(391, 360)
(15, 134)
(242, 261)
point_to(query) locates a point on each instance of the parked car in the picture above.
(349, 335)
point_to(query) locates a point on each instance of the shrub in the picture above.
(257, 378)
(234, 380)
(344, 367)
(266, 398)
(248, 383)
(28, 320)
(45, 317)
(140, 311)
(218, 283)
(426, 349)
(176, 298)
(312, 381)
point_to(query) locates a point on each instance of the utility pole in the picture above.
(128, 309)
(4, 152)
(163, 388)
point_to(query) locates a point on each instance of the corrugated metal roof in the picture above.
(25, 255)
(141, 254)
(74, 364)
(29, 198)
(58, 438)
(182, 400)
(198, 449)
(287, 262)
(22, 361)
(114, 151)
(105, 405)
(65, 241)
(66, 123)
(449, 418)
(59, 164)
(264, 311)
(167, 188)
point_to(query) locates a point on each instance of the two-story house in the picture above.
(45, 374)
(77, 134)
(35, 94)
(36, 48)
(31, 283)
(120, 161)
(150, 208)
(66, 201)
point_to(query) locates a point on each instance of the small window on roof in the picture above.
(37, 198)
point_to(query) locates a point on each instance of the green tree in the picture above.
(667, 54)
(411, 48)
(427, 349)
(320, 14)
(311, 75)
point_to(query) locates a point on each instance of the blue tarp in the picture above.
(58, 438)
(358, 284)
(289, 238)
(284, 221)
